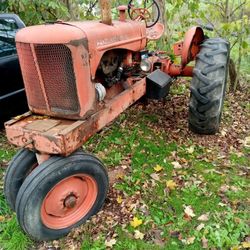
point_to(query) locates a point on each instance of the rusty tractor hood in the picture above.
(95, 36)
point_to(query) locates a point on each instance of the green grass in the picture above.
(150, 150)
(11, 235)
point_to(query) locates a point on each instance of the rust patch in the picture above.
(83, 41)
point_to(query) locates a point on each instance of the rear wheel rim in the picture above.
(69, 201)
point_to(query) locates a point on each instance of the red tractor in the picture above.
(79, 76)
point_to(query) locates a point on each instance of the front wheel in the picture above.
(61, 194)
(23, 163)
(208, 86)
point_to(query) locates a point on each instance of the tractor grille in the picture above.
(49, 78)
(30, 76)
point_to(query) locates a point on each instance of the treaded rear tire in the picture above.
(208, 86)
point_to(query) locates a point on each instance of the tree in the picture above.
(38, 11)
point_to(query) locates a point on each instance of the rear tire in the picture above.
(19, 168)
(208, 86)
(61, 194)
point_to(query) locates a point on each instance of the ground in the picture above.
(169, 188)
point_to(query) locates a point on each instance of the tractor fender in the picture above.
(191, 44)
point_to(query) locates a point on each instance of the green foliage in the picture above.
(36, 12)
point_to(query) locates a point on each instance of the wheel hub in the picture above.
(70, 201)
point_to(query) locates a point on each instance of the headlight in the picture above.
(145, 65)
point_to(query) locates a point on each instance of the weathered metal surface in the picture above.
(63, 87)
(122, 12)
(65, 136)
(191, 45)
(177, 47)
(154, 33)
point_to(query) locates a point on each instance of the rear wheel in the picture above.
(208, 86)
(19, 168)
(61, 194)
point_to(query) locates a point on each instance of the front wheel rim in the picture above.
(69, 201)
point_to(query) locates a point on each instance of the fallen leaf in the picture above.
(235, 248)
(222, 204)
(224, 188)
(138, 235)
(175, 234)
(234, 189)
(171, 184)
(2, 218)
(190, 150)
(247, 142)
(110, 243)
(223, 132)
(246, 244)
(119, 199)
(190, 240)
(204, 242)
(201, 226)
(135, 222)
(155, 176)
(189, 211)
(204, 217)
(158, 168)
(176, 164)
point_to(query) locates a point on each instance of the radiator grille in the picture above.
(30, 76)
(56, 67)
(56, 83)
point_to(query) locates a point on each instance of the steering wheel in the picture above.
(147, 11)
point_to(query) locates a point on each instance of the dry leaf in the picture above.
(2, 218)
(158, 168)
(176, 164)
(224, 188)
(247, 142)
(155, 176)
(189, 211)
(190, 240)
(110, 243)
(119, 199)
(190, 150)
(222, 204)
(204, 217)
(235, 248)
(171, 185)
(201, 226)
(234, 189)
(135, 222)
(204, 242)
(138, 235)
(246, 244)
(223, 132)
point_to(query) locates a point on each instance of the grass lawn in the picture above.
(169, 188)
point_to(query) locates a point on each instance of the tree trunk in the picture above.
(232, 75)
(105, 6)
(162, 19)
(237, 85)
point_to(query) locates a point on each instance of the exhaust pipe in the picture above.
(105, 6)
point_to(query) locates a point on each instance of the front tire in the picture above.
(19, 168)
(208, 86)
(61, 194)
